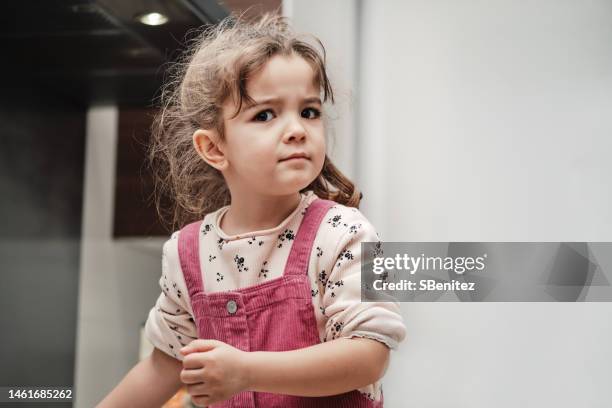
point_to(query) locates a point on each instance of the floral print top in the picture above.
(237, 261)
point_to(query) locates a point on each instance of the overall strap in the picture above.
(189, 256)
(299, 256)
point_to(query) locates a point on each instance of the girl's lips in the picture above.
(295, 158)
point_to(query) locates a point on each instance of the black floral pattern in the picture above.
(174, 285)
(336, 328)
(354, 228)
(378, 250)
(264, 271)
(240, 263)
(331, 286)
(323, 277)
(206, 229)
(252, 240)
(346, 254)
(284, 237)
(328, 284)
(219, 276)
(336, 221)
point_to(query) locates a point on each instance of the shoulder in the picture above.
(170, 252)
(342, 224)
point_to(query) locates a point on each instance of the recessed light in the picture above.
(152, 19)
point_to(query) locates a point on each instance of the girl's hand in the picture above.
(213, 371)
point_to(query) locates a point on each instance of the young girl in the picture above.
(260, 302)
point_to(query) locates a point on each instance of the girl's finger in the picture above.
(198, 390)
(193, 361)
(192, 376)
(200, 345)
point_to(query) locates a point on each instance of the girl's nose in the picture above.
(294, 132)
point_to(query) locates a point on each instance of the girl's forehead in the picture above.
(283, 74)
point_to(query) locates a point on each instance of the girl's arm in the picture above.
(148, 384)
(329, 368)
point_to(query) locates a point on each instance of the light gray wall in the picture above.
(494, 118)
(493, 123)
(488, 121)
(118, 278)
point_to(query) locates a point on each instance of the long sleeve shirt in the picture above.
(232, 262)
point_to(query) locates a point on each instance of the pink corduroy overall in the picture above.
(276, 315)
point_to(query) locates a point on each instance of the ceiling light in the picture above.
(152, 19)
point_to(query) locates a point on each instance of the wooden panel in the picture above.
(135, 213)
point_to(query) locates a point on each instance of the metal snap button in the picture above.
(232, 306)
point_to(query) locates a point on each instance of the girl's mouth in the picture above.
(296, 156)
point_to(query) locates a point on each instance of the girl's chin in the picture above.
(293, 185)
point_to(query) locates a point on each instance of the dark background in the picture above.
(60, 58)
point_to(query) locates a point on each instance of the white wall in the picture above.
(118, 278)
(486, 121)
(491, 121)
(497, 117)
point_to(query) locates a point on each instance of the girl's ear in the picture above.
(208, 146)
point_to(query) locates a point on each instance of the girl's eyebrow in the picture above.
(314, 99)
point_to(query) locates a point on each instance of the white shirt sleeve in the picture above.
(170, 323)
(347, 315)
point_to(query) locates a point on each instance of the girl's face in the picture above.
(284, 121)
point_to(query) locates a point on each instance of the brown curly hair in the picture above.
(216, 66)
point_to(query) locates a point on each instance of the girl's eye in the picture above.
(267, 115)
(311, 113)
(263, 116)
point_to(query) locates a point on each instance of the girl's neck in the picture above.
(248, 214)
